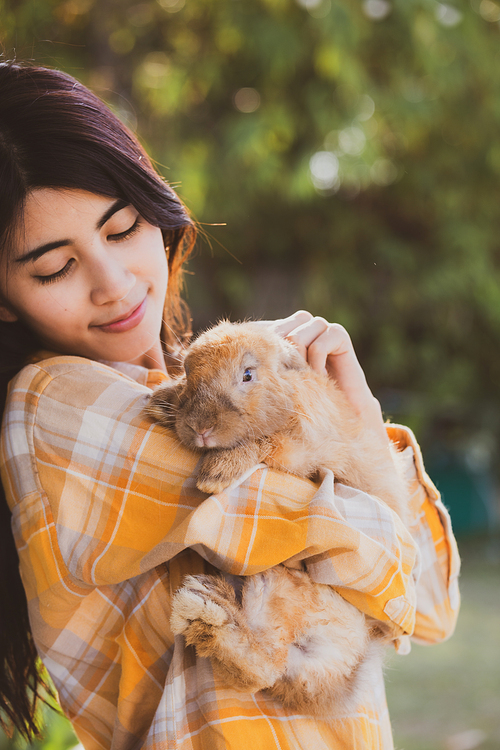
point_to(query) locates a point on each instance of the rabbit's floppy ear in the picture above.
(164, 403)
(290, 358)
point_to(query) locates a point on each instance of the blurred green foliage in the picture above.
(351, 149)
(57, 734)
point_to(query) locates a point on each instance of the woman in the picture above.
(105, 513)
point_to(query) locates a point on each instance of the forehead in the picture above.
(49, 210)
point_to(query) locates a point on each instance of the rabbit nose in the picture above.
(203, 437)
(205, 433)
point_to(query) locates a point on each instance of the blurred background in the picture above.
(344, 157)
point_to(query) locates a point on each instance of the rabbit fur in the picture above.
(248, 396)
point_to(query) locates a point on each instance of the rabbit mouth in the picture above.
(205, 438)
(212, 438)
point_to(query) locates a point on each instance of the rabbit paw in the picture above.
(212, 485)
(220, 467)
(206, 613)
(201, 608)
(214, 475)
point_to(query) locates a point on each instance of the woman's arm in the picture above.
(328, 348)
(118, 498)
(438, 598)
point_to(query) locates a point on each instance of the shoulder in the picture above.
(60, 395)
(70, 412)
(37, 377)
(76, 382)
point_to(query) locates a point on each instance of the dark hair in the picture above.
(56, 133)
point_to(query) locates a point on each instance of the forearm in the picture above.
(138, 505)
(438, 598)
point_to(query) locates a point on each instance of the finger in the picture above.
(331, 343)
(332, 352)
(286, 325)
(303, 336)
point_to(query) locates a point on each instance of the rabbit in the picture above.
(247, 396)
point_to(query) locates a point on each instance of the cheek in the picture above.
(50, 325)
(154, 257)
(56, 306)
(51, 313)
(161, 277)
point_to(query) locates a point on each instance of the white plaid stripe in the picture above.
(103, 505)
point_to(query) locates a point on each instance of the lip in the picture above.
(128, 321)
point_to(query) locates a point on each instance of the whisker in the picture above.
(299, 413)
(209, 237)
(179, 340)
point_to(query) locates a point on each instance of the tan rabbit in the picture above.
(247, 397)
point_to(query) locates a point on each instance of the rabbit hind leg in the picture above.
(206, 612)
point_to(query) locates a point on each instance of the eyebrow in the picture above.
(42, 249)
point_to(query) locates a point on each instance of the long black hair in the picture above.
(55, 133)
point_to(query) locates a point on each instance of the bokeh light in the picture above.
(324, 168)
(247, 100)
(377, 10)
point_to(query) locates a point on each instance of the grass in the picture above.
(444, 697)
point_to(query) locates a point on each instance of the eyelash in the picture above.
(113, 237)
(56, 276)
(127, 233)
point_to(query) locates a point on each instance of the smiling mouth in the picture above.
(127, 322)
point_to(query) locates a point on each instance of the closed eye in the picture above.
(57, 275)
(126, 233)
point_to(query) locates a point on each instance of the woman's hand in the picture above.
(327, 347)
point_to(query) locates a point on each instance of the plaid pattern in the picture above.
(108, 520)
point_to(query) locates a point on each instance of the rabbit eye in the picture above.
(247, 375)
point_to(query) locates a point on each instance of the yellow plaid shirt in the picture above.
(107, 521)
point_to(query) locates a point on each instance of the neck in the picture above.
(153, 359)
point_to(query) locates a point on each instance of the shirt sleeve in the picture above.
(119, 498)
(438, 598)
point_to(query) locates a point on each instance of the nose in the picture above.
(202, 437)
(112, 281)
(205, 433)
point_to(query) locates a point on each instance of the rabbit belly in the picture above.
(300, 641)
(329, 642)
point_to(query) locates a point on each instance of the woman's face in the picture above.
(89, 276)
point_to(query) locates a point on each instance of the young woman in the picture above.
(103, 506)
